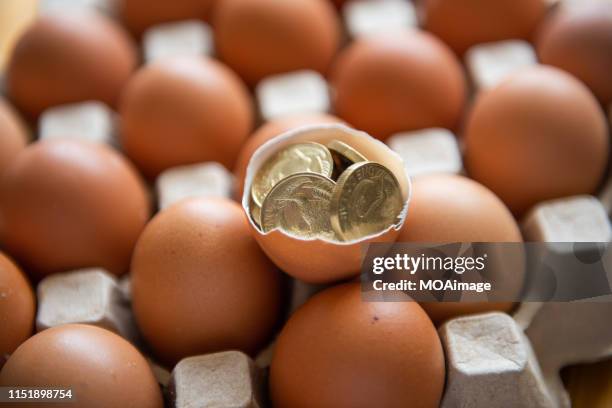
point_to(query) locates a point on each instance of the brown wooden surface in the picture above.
(590, 385)
(14, 15)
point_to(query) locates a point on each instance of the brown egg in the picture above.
(17, 307)
(539, 135)
(268, 131)
(397, 82)
(102, 369)
(184, 111)
(64, 58)
(266, 37)
(13, 135)
(138, 15)
(201, 284)
(579, 40)
(66, 204)
(449, 208)
(339, 351)
(464, 23)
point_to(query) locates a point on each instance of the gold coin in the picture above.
(255, 211)
(345, 150)
(367, 200)
(299, 205)
(344, 156)
(307, 157)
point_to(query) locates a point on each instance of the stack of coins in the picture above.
(331, 192)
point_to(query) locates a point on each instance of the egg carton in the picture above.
(190, 38)
(299, 92)
(162, 374)
(108, 7)
(90, 296)
(573, 219)
(299, 293)
(606, 192)
(197, 180)
(568, 333)
(226, 379)
(428, 151)
(494, 360)
(574, 3)
(564, 334)
(368, 17)
(488, 64)
(125, 287)
(490, 363)
(606, 197)
(91, 121)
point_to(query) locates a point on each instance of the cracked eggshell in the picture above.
(270, 130)
(319, 260)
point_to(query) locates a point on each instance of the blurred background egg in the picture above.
(67, 204)
(13, 135)
(270, 130)
(17, 307)
(450, 208)
(537, 136)
(102, 369)
(138, 15)
(397, 82)
(339, 3)
(266, 37)
(183, 111)
(201, 284)
(69, 57)
(351, 353)
(464, 23)
(578, 39)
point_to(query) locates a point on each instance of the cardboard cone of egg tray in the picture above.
(298, 92)
(91, 296)
(568, 333)
(491, 364)
(226, 379)
(61, 6)
(208, 179)
(428, 151)
(370, 17)
(564, 334)
(90, 121)
(488, 64)
(177, 39)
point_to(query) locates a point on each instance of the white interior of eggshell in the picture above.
(371, 148)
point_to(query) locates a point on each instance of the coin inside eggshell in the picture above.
(298, 158)
(319, 259)
(300, 205)
(367, 200)
(344, 156)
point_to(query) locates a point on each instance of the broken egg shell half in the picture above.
(320, 260)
